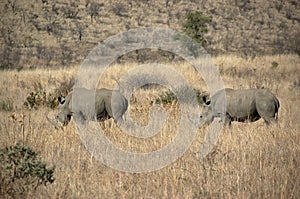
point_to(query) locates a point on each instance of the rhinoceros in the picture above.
(246, 105)
(100, 104)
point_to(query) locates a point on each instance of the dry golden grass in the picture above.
(250, 160)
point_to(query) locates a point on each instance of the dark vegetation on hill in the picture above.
(55, 33)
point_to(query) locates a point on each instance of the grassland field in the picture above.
(250, 160)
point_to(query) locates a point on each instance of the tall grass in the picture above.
(250, 160)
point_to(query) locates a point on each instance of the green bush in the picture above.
(39, 97)
(36, 99)
(186, 94)
(166, 98)
(21, 171)
(195, 25)
(274, 65)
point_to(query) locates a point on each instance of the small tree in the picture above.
(22, 171)
(66, 54)
(13, 5)
(79, 30)
(119, 8)
(195, 25)
(93, 9)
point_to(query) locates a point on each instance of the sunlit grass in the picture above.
(249, 160)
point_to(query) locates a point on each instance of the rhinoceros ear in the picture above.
(206, 102)
(61, 100)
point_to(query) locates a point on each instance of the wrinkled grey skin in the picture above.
(84, 108)
(241, 105)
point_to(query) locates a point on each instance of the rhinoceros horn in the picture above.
(54, 122)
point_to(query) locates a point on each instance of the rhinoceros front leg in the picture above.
(228, 120)
(80, 117)
(225, 118)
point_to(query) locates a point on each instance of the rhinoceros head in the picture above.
(64, 116)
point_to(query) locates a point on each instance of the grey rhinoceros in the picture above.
(100, 104)
(241, 105)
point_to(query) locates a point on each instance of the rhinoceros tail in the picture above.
(276, 116)
(277, 105)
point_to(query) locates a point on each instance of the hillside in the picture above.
(61, 32)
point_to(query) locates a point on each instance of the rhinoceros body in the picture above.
(100, 104)
(242, 106)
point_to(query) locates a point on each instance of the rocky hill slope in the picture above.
(61, 32)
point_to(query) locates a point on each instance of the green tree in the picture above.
(195, 25)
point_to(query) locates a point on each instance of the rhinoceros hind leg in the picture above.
(271, 120)
(267, 111)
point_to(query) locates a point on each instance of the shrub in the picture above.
(166, 98)
(66, 55)
(93, 9)
(119, 8)
(274, 65)
(186, 94)
(36, 98)
(39, 97)
(71, 11)
(195, 25)
(22, 171)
